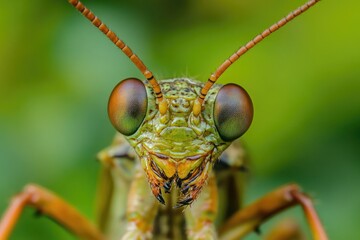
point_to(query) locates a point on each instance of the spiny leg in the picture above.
(142, 208)
(252, 216)
(231, 172)
(200, 216)
(126, 208)
(117, 171)
(50, 205)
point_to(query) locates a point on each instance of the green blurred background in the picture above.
(57, 70)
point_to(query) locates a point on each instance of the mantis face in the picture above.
(179, 127)
(178, 147)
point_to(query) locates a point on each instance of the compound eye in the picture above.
(233, 112)
(127, 106)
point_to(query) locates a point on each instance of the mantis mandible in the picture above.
(164, 161)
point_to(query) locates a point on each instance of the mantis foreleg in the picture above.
(47, 203)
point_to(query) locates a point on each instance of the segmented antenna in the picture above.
(247, 46)
(123, 47)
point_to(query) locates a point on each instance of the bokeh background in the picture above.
(57, 70)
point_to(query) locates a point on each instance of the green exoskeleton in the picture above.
(166, 174)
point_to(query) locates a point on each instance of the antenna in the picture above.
(245, 48)
(123, 47)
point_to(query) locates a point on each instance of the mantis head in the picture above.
(178, 147)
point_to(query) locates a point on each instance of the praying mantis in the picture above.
(177, 141)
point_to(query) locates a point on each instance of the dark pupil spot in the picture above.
(135, 110)
(225, 115)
